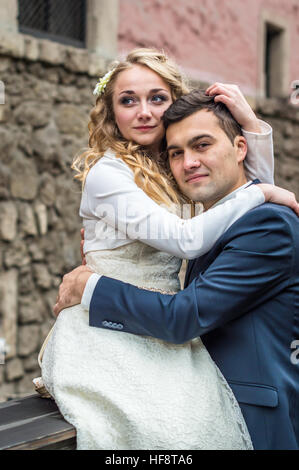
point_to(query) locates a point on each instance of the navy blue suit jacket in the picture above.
(242, 298)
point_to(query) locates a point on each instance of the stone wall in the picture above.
(43, 124)
(284, 119)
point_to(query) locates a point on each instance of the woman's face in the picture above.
(140, 99)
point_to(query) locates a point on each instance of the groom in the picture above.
(242, 297)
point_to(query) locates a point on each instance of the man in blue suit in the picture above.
(242, 297)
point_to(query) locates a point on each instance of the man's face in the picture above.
(204, 162)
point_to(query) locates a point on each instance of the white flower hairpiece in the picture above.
(101, 85)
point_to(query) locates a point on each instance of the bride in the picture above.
(123, 391)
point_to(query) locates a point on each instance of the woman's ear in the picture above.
(241, 148)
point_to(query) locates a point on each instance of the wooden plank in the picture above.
(23, 408)
(34, 423)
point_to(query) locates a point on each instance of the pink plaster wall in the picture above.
(213, 40)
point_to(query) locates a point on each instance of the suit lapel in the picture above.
(199, 265)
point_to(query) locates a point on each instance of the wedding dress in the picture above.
(123, 391)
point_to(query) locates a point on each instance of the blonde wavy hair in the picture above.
(151, 174)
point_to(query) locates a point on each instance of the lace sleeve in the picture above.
(259, 161)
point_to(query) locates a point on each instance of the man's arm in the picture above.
(254, 265)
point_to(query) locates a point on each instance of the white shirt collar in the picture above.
(231, 195)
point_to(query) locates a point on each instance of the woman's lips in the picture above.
(144, 128)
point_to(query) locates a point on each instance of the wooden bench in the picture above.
(34, 423)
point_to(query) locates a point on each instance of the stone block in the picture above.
(4, 181)
(30, 363)
(51, 52)
(8, 309)
(42, 276)
(34, 113)
(36, 252)
(291, 147)
(27, 219)
(42, 217)
(7, 141)
(28, 339)
(7, 391)
(24, 178)
(14, 369)
(16, 255)
(5, 64)
(45, 141)
(70, 121)
(25, 387)
(5, 112)
(32, 309)
(8, 221)
(26, 284)
(76, 60)
(31, 48)
(11, 44)
(47, 192)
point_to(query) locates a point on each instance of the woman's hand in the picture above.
(233, 98)
(280, 196)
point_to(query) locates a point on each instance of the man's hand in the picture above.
(81, 247)
(71, 289)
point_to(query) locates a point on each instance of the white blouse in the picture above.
(117, 212)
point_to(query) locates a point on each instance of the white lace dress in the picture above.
(123, 391)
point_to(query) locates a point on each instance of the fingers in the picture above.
(227, 95)
(82, 247)
(82, 253)
(56, 310)
(224, 99)
(294, 204)
(227, 89)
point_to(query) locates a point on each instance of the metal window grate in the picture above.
(62, 21)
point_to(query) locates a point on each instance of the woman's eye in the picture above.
(127, 100)
(159, 98)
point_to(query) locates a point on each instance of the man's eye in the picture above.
(201, 146)
(176, 154)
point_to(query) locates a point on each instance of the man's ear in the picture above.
(240, 145)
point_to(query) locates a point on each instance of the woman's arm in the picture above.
(111, 195)
(259, 161)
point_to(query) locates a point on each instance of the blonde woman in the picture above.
(123, 391)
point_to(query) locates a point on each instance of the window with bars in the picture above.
(59, 20)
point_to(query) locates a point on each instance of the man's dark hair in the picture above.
(196, 101)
